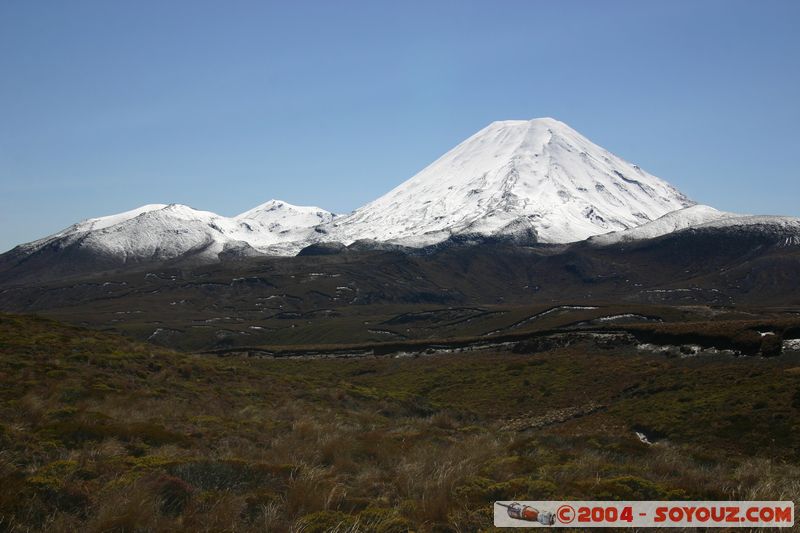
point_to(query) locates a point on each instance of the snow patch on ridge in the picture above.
(699, 217)
(673, 221)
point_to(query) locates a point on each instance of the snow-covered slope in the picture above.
(538, 177)
(705, 218)
(784, 231)
(162, 232)
(111, 220)
(754, 221)
(280, 216)
(279, 228)
(673, 221)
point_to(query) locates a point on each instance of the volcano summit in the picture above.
(537, 177)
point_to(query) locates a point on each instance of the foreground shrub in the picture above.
(173, 494)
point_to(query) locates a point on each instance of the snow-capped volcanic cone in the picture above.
(537, 178)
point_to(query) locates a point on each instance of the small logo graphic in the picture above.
(529, 514)
(565, 514)
(643, 514)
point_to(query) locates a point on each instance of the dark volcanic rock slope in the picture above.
(326, 298)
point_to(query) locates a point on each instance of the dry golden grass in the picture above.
(97, 437)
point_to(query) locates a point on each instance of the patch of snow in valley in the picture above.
(791, 344)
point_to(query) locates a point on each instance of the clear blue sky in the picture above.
(108, 105)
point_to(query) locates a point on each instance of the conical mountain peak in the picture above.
(539, 173)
